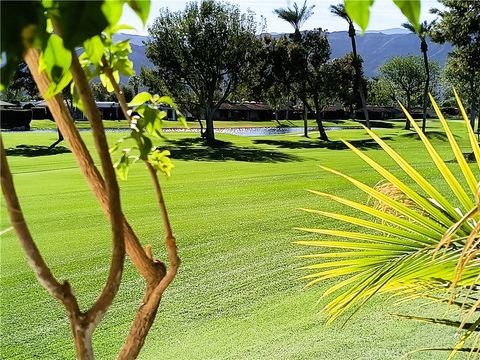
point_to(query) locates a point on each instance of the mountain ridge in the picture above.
(375, 47)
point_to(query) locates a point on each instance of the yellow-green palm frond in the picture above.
(427, 243)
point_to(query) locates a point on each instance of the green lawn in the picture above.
(238, 294)
(122, 124)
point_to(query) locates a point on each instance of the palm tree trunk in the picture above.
(358, 79)
(425, 90)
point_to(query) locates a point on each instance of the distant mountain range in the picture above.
(375, 47)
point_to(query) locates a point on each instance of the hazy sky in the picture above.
(384, 14)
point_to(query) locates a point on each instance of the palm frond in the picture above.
(295, 16)
(398, 252)
(339, 10)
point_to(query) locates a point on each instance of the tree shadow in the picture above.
(36, 150)
(431, 135)
(331, 145)
(195, 149)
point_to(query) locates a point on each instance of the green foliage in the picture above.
(203, 53)
(29, 24)
(21, 87)
(418, 242)
(342, 84)
(406, 77)
(22, 24)
(160, 161)
(78, 20)
(458, 24)
(148, 122)
(56, 61)
(380, 92)
(461, 73)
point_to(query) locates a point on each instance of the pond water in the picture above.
(252, 131)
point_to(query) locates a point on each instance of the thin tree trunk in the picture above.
(202, 132)
(358, 78)
(473, 104)
(425, 90)
(407, 122)
(276, 118)
(305, 120)
(318, 119)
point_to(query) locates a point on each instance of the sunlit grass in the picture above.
(233, 210)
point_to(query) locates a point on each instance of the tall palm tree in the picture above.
(296, 16)
(422, 33)
(339, 10)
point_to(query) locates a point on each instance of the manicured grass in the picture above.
(238, 294)
(122, 124)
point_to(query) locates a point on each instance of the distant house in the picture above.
(248, 111)
(334, 112)
(380, 113)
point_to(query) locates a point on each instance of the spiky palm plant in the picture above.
(427, 248)
(339, 10)
(422, 33)
(295, 16)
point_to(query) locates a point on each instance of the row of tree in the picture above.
(210, 53)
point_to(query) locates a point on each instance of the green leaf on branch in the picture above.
(114, 29)
(56, 88)
(106, 81)
(56, 61)
(47, 3)
(167, 100)
(141, 8)
(143, 142)
(153, 120)
(122, 48)
(94, 49)
(411, 9)
(112, 9)
(124, 66)
(77, 102)
(140, 99)
(122, 166)
(160, 161)
(359, 11)
(80, 20)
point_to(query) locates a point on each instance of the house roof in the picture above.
(4, 103)
(247, 106)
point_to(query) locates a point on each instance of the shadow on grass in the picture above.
(195, 149)
(36, 150)
(431, 135)
(331, 145)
